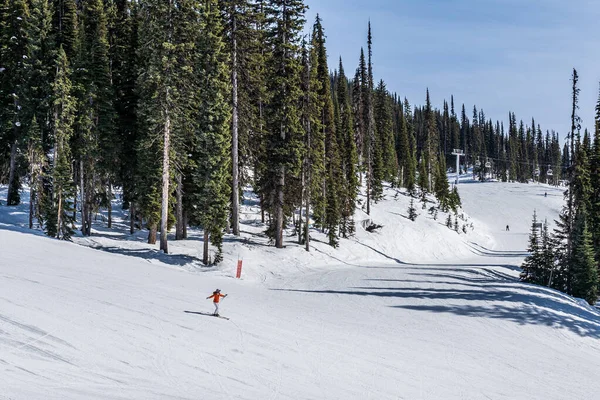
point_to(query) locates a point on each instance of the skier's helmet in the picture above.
(217, 290)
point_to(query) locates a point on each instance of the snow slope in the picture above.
(415, 311)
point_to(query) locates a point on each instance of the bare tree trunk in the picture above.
(301, 204)
(165, 185)
(235, 219)
(368, 177)
(59, 219)
(279, 209)
(152, 235)
(205, 252)
(11, 175)
(131, 218)
(179, 209)
(83, 200)
(185, 225)
(262, 208)
(109, 204)
(31, 203)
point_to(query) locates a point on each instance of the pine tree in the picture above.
(211, 178)
(349, 156)
(369, 121)
(331, 183)
(36, 158)
(123, 61)
(430, 146)
(385, 162)
(14, 16)
(238, 18)
(65, 25)
(533, 264)
(98, 151)
(158, 105)
(412, 211)
(449, 221)
(283, 142)
(41, 51)
(583, 265)
(63, 188)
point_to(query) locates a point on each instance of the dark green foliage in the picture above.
(283, 144)
(412, 211)
(349, 156)
(62, 175)
(384, 157)
(210, 188)
(15, 63)
(583, 265)
(534, 268)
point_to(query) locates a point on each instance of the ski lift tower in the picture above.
(458, 153)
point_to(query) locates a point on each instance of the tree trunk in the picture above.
(205, 252)
(31, 204)
(131, 218)
(152, 235)
(185, 225)
(59, 219)
(109, 204)
(306, 224)
(279, 209)
(262, 208)
(235, 203)
(165, 185)
(10, 201)
(83, 200)
(368, 178)
(179, 209)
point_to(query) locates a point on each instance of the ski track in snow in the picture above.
(413, 311)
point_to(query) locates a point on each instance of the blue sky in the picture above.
(501, 55)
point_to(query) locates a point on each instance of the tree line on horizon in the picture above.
(181, 103)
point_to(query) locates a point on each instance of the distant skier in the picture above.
(216, 296)
(507, 228)
(545, 194)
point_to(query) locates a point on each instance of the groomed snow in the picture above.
(414, 311)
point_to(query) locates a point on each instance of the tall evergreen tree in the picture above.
(283, 144)
(583, 265)
(59, 224)
(349, 155)
(211, 177)
(14, 53)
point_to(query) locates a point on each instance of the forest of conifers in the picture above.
(180, 104)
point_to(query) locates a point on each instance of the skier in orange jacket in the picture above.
(216, 296)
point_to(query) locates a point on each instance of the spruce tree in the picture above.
(98, 145)
(284, 131)
(332, 179)
(211, 178)
(36, 158)
(65, 26)
(14, 53)
(42, 52)
(584, 269)
(158, 106)
(385, 162)
(431, 143)
(533, 265)
(412, 211)
(62, 181)
(349, 155)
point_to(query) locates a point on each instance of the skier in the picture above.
(545, 194)
(216, 296)
(507, 228)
